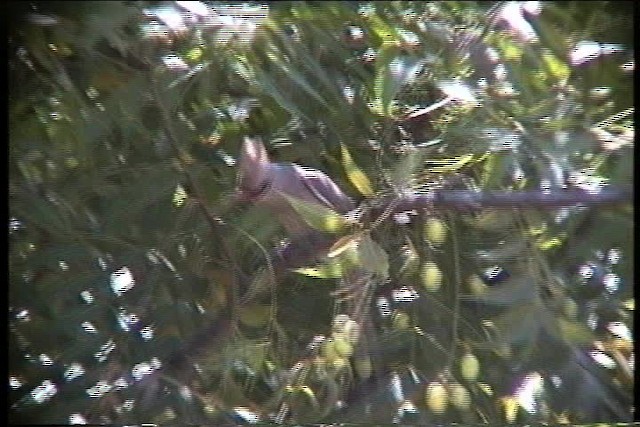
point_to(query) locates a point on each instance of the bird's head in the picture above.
(254, 170)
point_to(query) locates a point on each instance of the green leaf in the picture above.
(494, 220)
(283, 98)
(556, 67)
(343, 244)
(575, 332)
(254, 315)
(332, 270)
(546, 244)
(194, 54)
(393, 71)
(355, 174)
(494, 169)
(298, 78)
(148, 187)
(386, 33)
(510, 50)
(448, 165)
(372, 257)
(317, 216)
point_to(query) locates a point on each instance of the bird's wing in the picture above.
(324, 190)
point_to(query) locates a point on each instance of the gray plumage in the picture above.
(265, 183)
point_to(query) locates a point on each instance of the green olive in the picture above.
(435, 231)
(469, 367)
(436, 398)
(431, 276)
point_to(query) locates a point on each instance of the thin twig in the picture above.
(456, 296)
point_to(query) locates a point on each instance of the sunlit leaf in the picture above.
(254, 315)
(317, 216)
(448, 165)
(194, 54)
(547, 244)
(344, 243)
(383, 30)
(332, 270)
(179, 196)
(510, 50)
(355, 174)
(556, 67)
(306, 390)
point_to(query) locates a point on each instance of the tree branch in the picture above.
(309, 248)
(464, 199)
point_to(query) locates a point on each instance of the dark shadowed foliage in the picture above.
(454, 246)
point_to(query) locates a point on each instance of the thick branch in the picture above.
(310, 248)
(465, 200)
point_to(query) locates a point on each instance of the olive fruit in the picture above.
(435, 231)
(459, 396)
(476, 285)
(363, 367)
(436, 398)
(400, 320)
(469, 367)
(342, 347)
(431, 276)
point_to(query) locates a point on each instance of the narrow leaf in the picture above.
(449, 165)
(317, 216)
(355, 174)
(342, 244)
(299, 79)
(322, 271)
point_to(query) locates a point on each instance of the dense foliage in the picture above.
(133, 269)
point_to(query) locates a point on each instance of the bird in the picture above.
(267, 184)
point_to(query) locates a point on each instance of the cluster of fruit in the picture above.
(439, 395)
(336, 350)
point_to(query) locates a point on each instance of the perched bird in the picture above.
(265, 184)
